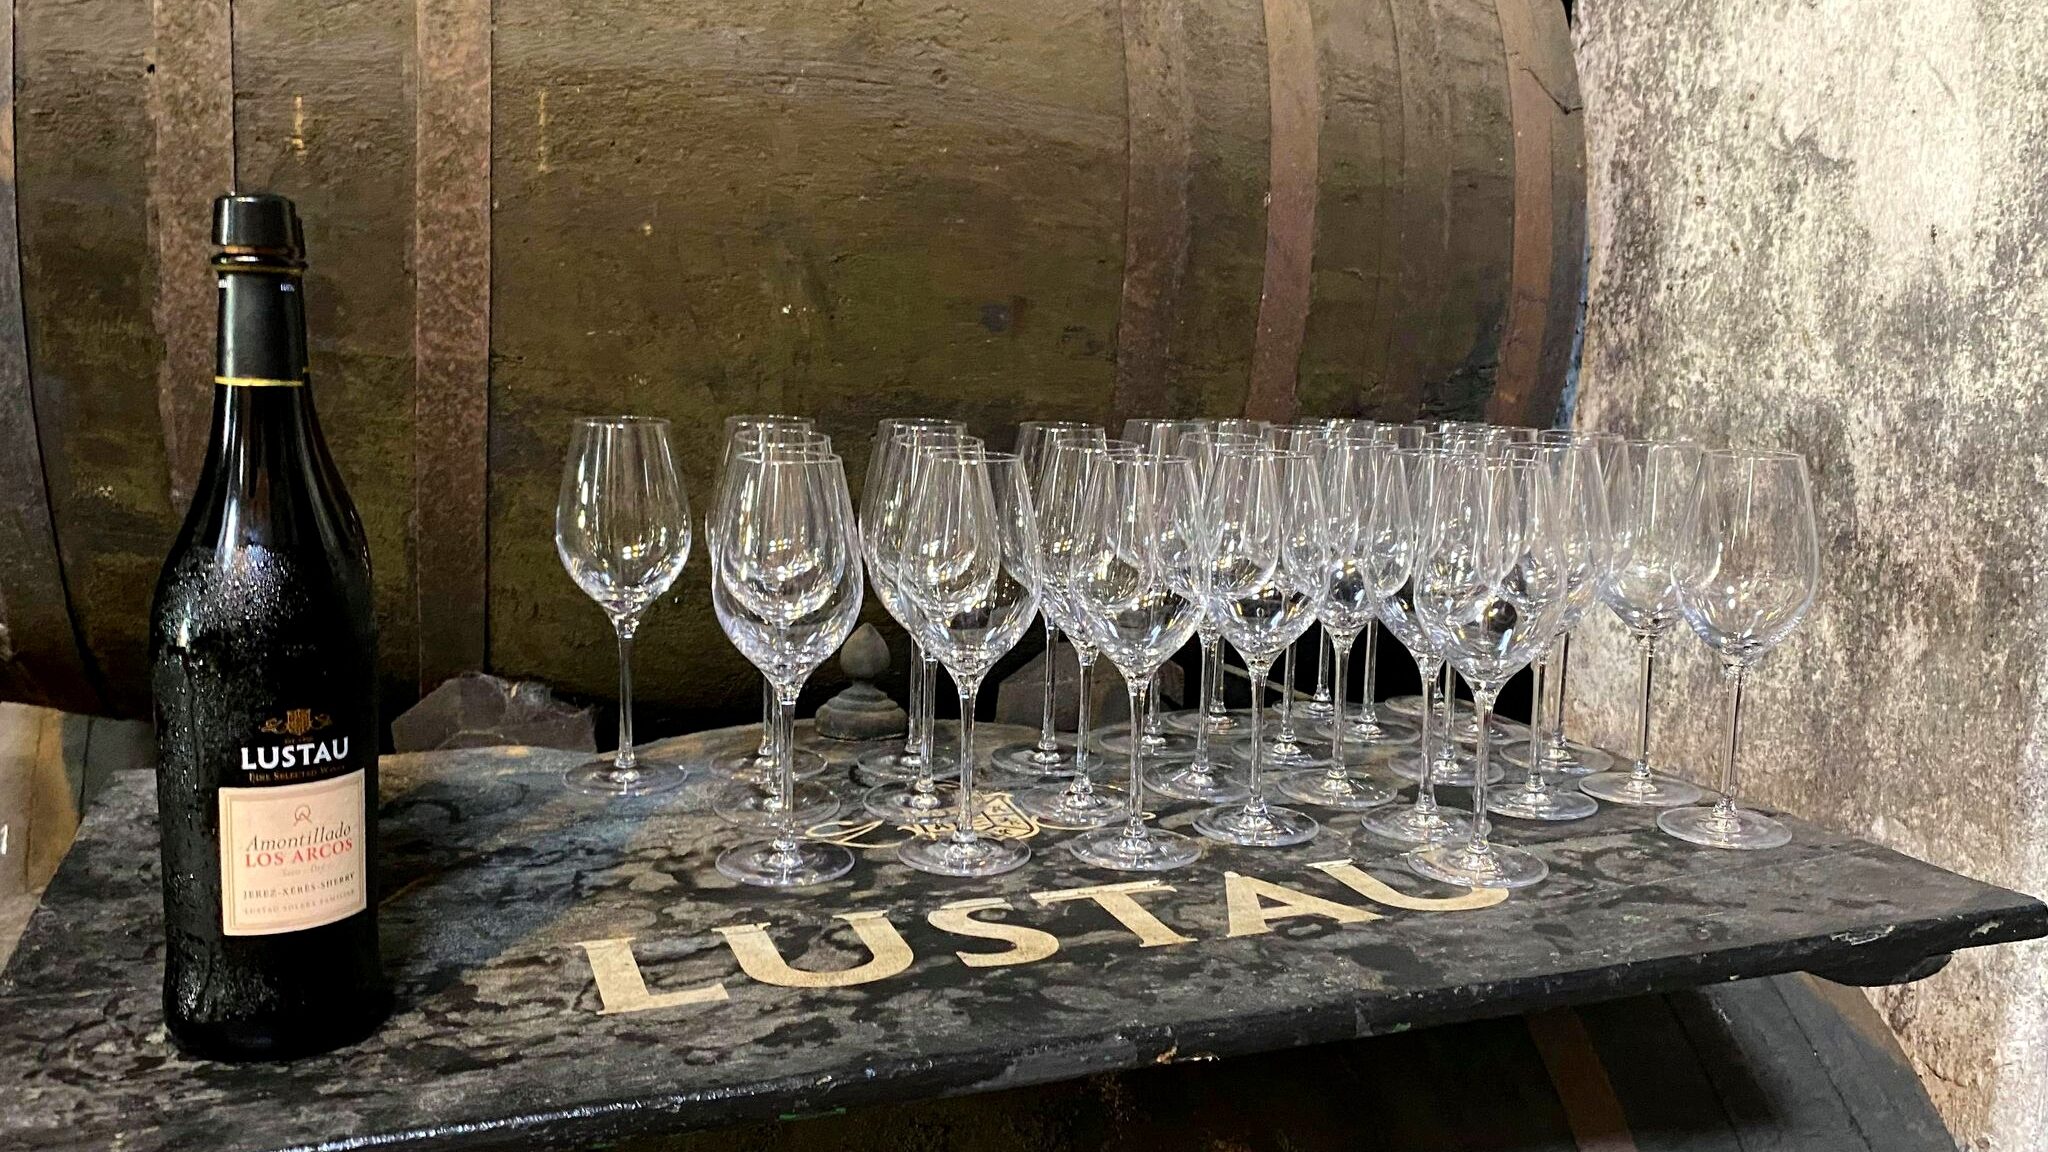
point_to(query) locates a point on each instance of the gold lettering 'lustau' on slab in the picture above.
(1252, 906)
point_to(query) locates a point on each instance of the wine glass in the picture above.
(1650, 495)
(1561, 756)
(1265, 560)
(1407, 503)
(1062, 530)
(1284, 746)
(1745, 581)
(1132, 585)
(970, 563)
(1356, 543)
(622, 529)
(1368, 728)
(901, 460)
(787, 588)
(758, 766)
(1048, 755)
(878, 502)
(1572, 468)
(1490, 582)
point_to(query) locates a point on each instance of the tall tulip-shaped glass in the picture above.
(1132, 585)
(1573, 469)
(917, 799)
(787, 588)
(1406, 511)
(1490, 581)
(1062, 531)
(1265, 523)
(1284, 746)
(1563, 757)
(1156, 438)
(622, 529)
(1745, 581)
(970, 563)
(1650, 495)
(1356, 541)
(1210, 717)
(880, 503)
(1049, 755)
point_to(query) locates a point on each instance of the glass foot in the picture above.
(1060, 806)
(1653, 791)
(1319, 708)
(1283, 754)
(1348, 791)
(1408, 825)
(1140, 850)
(889, 764)
(1481, 866)
(1166, 744)
(1026, 758)
(1505, 732)
(1382, 732)
(906, 804)
(606, 778)
(796, 864)
(954, 855)
(1546, 803)
(1260, 826)
(1211, 784)
(752, 766)
(1715, 827)
(751, 806)
(1448, 774)
(1220, 723)
(1405, 706)
(1576, 760)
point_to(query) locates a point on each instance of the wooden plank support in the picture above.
(1156, 240)
(39, 650)
(1295, 93)
(191, 161)
(452, 333)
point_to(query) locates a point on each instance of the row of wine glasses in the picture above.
(1478, 548)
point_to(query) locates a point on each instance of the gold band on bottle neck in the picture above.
(257, 382)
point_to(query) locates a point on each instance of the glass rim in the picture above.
(786, 455)
(1755, 454)
(623, 420)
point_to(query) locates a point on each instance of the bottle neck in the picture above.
(262, 327)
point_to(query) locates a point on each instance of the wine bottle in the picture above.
(263, 647)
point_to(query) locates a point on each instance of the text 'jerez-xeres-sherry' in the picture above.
(264, 651)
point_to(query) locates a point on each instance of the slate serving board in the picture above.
(493, 875)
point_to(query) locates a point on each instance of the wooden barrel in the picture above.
(521, 210)
(1788, 1062)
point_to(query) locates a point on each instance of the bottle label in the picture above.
(292, 856)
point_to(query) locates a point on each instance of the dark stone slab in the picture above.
(493, 874)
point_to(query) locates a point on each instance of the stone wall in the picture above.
(1822, 225)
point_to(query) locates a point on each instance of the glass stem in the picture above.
(1482, 704)
(1648, 646)
(1563, 658)
(963, 829)
(1448, 750)
(1323, 666)
(1152, 708)
(1425, 792)
(1134, 820)
(625, 763)
(1342, 647)
(1048, 741)
(928, 679)
(1255, 804)
(1366, 711)
(767, 748)
(914, 742)
(1081, 710)
(785, 769)
(1287, 695)
(1724, 808)
(1212, 668)
(1536, 691)
(1209, 677)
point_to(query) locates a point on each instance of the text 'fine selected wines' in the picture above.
(264, 658)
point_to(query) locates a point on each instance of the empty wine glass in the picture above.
(1062, 530)
(1211, 717)
(1573, 472)
(880, 502)
(1156, 439)
(1284, 746)
(1265, 561)
(743, 433)
(1407, 501)
(901, 461)
(622, 529)
(1650, 496)
(1745, 581)
(1369, 731)
(1357, 542)
(1133, 588)
(1560, 755)
(787, 589)
(970, 563)
(1490, 582)
(1048, 755)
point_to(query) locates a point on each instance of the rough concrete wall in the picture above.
(1822, 224)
